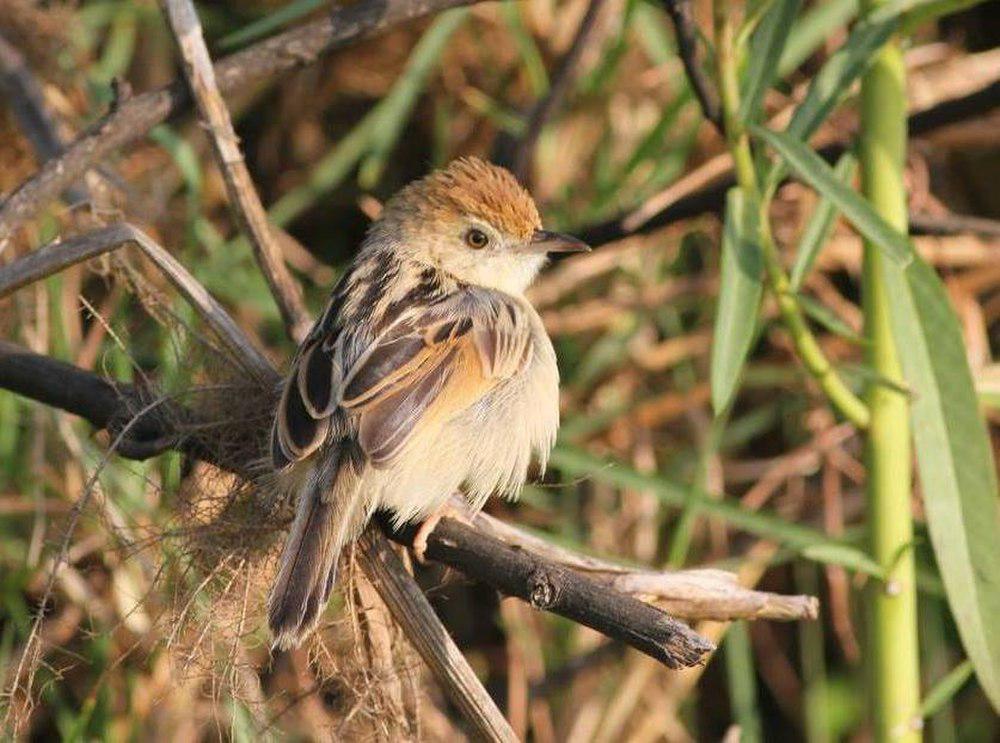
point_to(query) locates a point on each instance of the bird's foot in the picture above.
(427, 528)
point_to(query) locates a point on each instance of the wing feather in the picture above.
(429, 364)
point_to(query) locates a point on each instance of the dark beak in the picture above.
(544, 241)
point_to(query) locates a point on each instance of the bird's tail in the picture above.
(330, 513)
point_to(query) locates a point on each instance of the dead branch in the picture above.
(133, 118)
(59, 255)
(682, 16)
(689, 594)
(548, 586)
(243, 197)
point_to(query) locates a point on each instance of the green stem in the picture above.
(893, 603)
(806, 345)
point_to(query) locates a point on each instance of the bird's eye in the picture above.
(476, 239)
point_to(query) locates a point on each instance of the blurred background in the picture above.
(631, 323)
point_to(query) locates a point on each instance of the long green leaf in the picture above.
(766, 46)
(802, 539)
(954, 456)
(835, 78)
(954, 459)
(811, 168)
(741, 286)
(820, 224)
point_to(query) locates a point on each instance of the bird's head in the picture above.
(475, 222)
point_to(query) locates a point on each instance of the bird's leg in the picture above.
(425, 530)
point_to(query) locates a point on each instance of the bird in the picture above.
(428, 372)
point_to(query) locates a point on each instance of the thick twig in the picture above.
(518, 155)
(711, 197)
(243, 197)
(551, 587)
(682, 16)
(134, 118)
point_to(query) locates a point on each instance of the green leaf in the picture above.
(835, 78)
(394, 110)
(741, 286)
(811, 168)
(766, 46)
(820, 224)
(955, 461)
(799, 538)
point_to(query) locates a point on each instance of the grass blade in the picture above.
(766, 47)
(741, 286)
(812, 30)
(820, 224)
(269, 23)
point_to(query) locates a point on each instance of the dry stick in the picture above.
(689, 594)
(682, 16)
(562, 78)
(243, 197)
(135, 117)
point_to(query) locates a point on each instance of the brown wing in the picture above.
(432, 362)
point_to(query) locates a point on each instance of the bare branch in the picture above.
(688, 594)
(134, 118)
(551, 587)
(243, 197)
(686, 30)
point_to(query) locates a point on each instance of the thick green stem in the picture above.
(806, 345)
(893, 653)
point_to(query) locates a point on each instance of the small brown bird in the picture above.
(427, 372)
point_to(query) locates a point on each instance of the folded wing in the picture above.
(430, 362)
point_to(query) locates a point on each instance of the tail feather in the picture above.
(329, 514)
